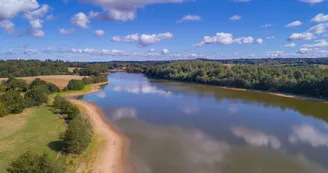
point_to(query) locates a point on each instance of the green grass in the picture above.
(86, 88)
(38, 130)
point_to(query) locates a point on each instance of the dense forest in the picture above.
(306, 81)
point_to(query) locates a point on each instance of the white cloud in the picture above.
(301, 36)
(227, 39)
(30, 51)
(290, 45)
(143, 88)
(266, 25)
(144, 39)
(123, 10)
(256, 138)
(38, 13)
(320, 18)
(67, 31)
(235, 17)
(113, 15)
(319, 29)
(310, 135)
(7, 26)
(99, 33)
(259, 41)
(317, 44)
(50, 17)
(294, 24)
(123, 113)
(81, 20)
(311, 1)
(35, 32)
(165, 51)
(271, 37)
(36, 23)
(10, 8)
(190, 18)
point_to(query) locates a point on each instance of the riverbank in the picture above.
(109, 149)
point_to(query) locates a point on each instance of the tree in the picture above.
(53, 88)
(16, 84)
(13, 101)
(37, 82)
(3, 110)
(77, 136)
(33, 163)
(75, 85)
(36, 96)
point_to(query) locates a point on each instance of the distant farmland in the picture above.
(60, 80)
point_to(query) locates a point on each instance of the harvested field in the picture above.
(60, 80)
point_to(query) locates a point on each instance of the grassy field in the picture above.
(86, 88)
(60, 80)
(37, 129)
(323, 66)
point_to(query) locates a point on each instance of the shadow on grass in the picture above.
(56, 146)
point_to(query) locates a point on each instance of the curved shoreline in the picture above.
(113, 155)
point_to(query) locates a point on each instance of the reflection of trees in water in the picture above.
(304, 107)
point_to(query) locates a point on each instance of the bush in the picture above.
(16, 84)
(37, 82)
(33, 163)
(36, 96)
(66, 107)
(53, 88)
(75, 85)
(13, 101)
(77, 136)
(3, 110)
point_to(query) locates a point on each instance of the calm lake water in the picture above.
(189, 128)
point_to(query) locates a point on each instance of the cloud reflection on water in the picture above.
(118, 114)
(141, 89)
(310, 135)
(256, 138)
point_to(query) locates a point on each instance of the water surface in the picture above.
(190, 128)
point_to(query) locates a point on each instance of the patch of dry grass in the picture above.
(60, 80)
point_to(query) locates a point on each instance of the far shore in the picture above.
(113, 147)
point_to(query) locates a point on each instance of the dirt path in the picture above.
(110, 154)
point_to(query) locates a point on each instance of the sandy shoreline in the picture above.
(112, 157)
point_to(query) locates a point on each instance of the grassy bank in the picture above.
(37, 129)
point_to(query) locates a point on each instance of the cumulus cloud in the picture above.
(320, 18)
(190, 18)
(290, 45)
(319, 29)
(10, 8)
(7, 26)
(235, 17)
(301, 36)
(122, 10)
(38, 13)
(310, 135)
(227, 39)
(294, 24)
(318, 44)
(67, 31)
(36, 23)
(266, 26)
(35, 32)
(165, 51)
(144, 39)
(81, 20)
(99, 33)
(256, 138)
(311, 1)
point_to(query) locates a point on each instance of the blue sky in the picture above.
(155, 29)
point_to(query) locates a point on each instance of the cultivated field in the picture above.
(37, 129)
(60, 80)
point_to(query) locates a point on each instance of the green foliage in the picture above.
(92, 70)
(37, 82)
(16, 84)
(77, 136)
(53, 88)
(2, 88)
(66, 107)
(75, 85)
(94, 79)
(3, 110)
(50, 87)
(13, 101)
(36, 96)
(33, 163)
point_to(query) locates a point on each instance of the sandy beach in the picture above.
(111, 154)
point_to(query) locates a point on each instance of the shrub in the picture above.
(13, 101)
(37, 82)
(77, 136)
(53, 88)
(66, 107)
(16, 84)
(3, 110)
(36, 96)
(75, 85)
(33, 163)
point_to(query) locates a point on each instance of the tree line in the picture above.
(306, 81)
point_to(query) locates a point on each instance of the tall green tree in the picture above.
(13, 101)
